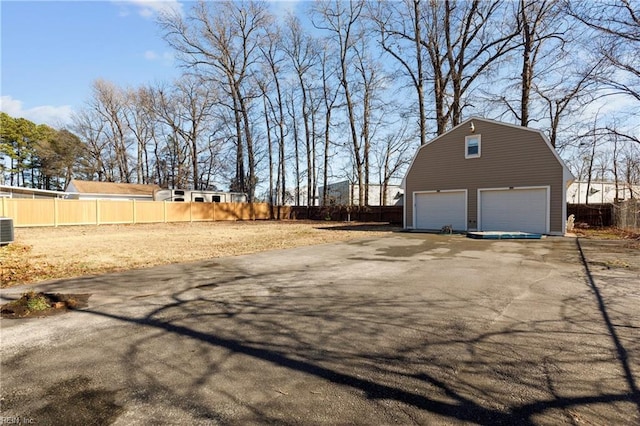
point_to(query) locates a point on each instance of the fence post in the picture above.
(134, 211)
(55, 212)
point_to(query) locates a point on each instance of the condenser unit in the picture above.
(6, 230)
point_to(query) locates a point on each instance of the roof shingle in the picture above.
(91, 187)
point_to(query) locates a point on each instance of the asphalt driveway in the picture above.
(407, 329)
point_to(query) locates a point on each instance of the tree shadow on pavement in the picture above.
(622, 353)
(232, 345)
(388, 349)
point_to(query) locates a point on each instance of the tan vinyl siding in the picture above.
(510, 157)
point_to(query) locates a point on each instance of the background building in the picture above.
(348, 194)
(600, 192)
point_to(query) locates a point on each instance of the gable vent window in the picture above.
(472, 146)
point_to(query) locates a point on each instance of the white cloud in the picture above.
(282, 8)
(54, 116)
(150, 55)
(166, 58)
(149, 8)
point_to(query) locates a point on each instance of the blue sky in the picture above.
(52, 51)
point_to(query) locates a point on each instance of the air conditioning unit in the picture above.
(6, 231)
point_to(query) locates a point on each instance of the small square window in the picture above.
(472, 146)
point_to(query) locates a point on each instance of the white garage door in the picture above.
(433, 210)
(524, 210)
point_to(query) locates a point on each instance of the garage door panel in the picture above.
(434, 210)
(523, 210)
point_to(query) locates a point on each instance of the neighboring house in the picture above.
(347, 194)
(7, 191)
(485, 175)
(89, 190)
(303, 195)
(600, 192)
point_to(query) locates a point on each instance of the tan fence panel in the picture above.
(177, 211)
(282, 212)
(149, 211)
(30, 212)
(115, 212)
(58, 212)
(243, 211)
(76, 212)
(261, 211)
(232, 211)
(201, 212)
(226, 211)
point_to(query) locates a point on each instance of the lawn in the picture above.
(40, 254)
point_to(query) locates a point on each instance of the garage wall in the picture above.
(512, 156)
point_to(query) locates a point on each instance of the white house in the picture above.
(346, 193)
(7, 191)
(600, 192)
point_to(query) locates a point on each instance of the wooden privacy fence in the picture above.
(626, 215)
(391, 214)
(591, 214)
(58, 212)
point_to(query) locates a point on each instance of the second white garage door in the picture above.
(433, 210)
(519, 209)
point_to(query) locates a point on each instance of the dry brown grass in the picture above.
(632, 239)
(49, 253)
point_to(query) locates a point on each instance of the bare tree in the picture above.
(173, 166)
(302, 51)
(392, 156)
(330, 92)
(275, 69)
(195, 101)
(98, 161)
(400, 26)
(567, 94)
(220, 40)
(268, 109)
(617, 34)
(541, 25)
(293, 119)
(370, 85)
(109, 103)
(141, 119)
(341, 20)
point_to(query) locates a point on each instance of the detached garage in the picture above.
(485, 175)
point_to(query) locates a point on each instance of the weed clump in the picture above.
(36, 301)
